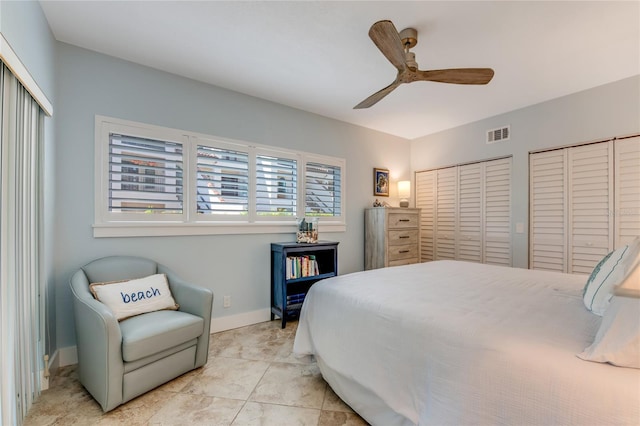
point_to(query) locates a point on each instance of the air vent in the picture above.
(498, 135)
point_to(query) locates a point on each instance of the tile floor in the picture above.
(251, 378)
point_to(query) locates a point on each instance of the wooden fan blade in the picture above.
(457, 75)
(386, 37)
(373, 99)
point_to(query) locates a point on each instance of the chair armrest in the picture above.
(195, 300)
(99, 345)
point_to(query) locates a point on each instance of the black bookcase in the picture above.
(288, 292)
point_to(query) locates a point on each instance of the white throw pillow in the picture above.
(618, 339)
(134, 297)
(608, 273)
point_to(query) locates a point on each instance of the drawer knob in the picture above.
(403, 251)
(403, 236)
(403, 220)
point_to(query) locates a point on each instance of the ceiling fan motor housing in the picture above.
(409, 37)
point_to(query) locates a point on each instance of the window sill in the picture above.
(164, 229)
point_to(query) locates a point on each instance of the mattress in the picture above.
(460, 343)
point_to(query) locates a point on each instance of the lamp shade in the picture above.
(404, 189)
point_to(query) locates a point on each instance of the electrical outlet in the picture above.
(226, 302)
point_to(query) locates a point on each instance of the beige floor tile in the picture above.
(179, 383)
(228, 378)
(137, 411)
(263, 343)
(196, 410)
(257, 414)
(251, 378)
(299, 385)
(332, 402)
(339, 418)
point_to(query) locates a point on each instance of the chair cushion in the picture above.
(147, 334)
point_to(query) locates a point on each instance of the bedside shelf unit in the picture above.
(288, 292)
(392, 237)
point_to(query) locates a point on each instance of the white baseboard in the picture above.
(69, 355)
(240, 320)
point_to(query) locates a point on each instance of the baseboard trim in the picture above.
(69, 355)
(240, 320)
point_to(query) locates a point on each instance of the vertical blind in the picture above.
(21, 307)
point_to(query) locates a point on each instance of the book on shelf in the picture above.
(295, 298)
(301, 266)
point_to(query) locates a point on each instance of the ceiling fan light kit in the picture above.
(395, 47)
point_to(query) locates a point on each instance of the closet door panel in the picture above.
(590, 185)
(470, 212)
(547, 221)
(627, 190)
(446, 213)
(426, 202)
(497, 212)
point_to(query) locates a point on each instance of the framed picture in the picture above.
(380, 182)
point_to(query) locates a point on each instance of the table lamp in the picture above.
(404, 192)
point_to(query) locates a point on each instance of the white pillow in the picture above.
(618, 339)
(608, 273)
(134, 297)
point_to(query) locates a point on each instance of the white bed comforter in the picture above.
(463, 344)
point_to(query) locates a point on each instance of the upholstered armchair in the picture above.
(119, 360)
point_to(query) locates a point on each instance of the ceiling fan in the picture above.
(395, 47)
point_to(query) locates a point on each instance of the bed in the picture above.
(461, 343)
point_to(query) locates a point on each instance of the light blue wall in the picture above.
(598, 113)
(236, 265)
(25, 28)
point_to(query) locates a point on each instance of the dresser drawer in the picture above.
(401, 262)
(403, 251)
(405, 236)
(403, 220)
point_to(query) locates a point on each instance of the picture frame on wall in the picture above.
(380, 182)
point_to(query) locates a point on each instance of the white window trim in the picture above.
(189, 222)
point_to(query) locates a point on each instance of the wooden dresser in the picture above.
(392, 237)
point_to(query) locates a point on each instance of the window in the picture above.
(323, 190)
(145, 176)
(157, 181)
(222, 181)
(276, 186)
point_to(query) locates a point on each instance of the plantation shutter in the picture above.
(548, 230)
(627, 190)
(322, 191)
(425, 201)
(223, 181)
(590, 184)
(497, 212)
(445, 223)
(145, 175)
(466, 212)
(276, 186)
(470, 217)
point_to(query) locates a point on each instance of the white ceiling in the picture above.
(316, 55)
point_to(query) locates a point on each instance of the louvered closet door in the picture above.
(426, 202)
(497, 212)
(470, 212)
(548, 228)
(446, 213)
(590, 184)
(627, 190)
